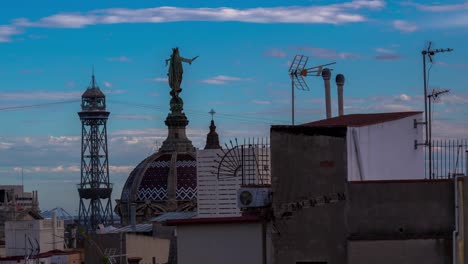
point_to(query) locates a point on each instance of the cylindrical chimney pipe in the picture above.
(326, 74)
(340, 79)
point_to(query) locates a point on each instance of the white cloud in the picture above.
(323, 14)
(134, 117)
(7, 31)
(120, 59)
(329, 54)
(117, 91)
(39, 95)
(158, 79)
(222, 79)
(404, 97)
(64, 140)
(107, 84)
(261, 102)
(386, 54)
(5, 145)
(275, 53)
(404, 26)
(383, 50)
(438, 8)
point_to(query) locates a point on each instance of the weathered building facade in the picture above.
(320, 216)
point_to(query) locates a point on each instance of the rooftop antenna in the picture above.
(297, 72)
(427, 122)
(435, 98)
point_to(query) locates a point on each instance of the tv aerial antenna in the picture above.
(429, 53)
(298, 71)
(250, 162)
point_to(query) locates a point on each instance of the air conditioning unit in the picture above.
(248, 197)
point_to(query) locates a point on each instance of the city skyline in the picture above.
(48, 50)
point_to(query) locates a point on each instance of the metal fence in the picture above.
(449, 157)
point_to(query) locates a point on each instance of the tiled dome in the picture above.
(149, 180)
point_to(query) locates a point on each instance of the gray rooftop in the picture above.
(174, 216)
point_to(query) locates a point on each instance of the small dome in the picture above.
(93, 92)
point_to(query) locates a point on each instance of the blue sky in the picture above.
(48, 48)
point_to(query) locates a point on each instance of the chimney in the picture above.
(133, 216)
(326, 74)
(339, 84)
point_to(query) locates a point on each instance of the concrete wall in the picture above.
(40, 230)
(401, 209)
(405, 221)
(387, 151)
(308, 163)
(95, 245)
(427, 251)
(147, 247)
(220, 243)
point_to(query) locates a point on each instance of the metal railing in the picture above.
(449, 158)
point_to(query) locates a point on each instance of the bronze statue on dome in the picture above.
(176, 71)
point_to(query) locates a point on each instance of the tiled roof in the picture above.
(358, 120)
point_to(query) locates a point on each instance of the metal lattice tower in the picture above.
(95, 189)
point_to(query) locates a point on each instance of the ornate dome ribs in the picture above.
(153, 185)
(186, 177)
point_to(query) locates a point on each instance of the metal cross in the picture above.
(212, 113)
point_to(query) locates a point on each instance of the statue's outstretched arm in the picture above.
(189, 61)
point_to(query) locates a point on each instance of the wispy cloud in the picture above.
(437, 7)
(7, 31)
(261, 102)
(134, 117)
(34, 36)
(404, 97)
(275, 53)
(455, 65)
(116, 91)
(39, 95)
(329, 54)
(222, 79)
(119, 59)
(107, 84)
(323, 14)
(158, 79)
(404, 26)
(386, 54)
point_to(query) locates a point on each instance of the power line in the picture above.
(36, 105)
(202, 113)
(236, 117)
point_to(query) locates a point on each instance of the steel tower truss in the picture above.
(94, 189)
